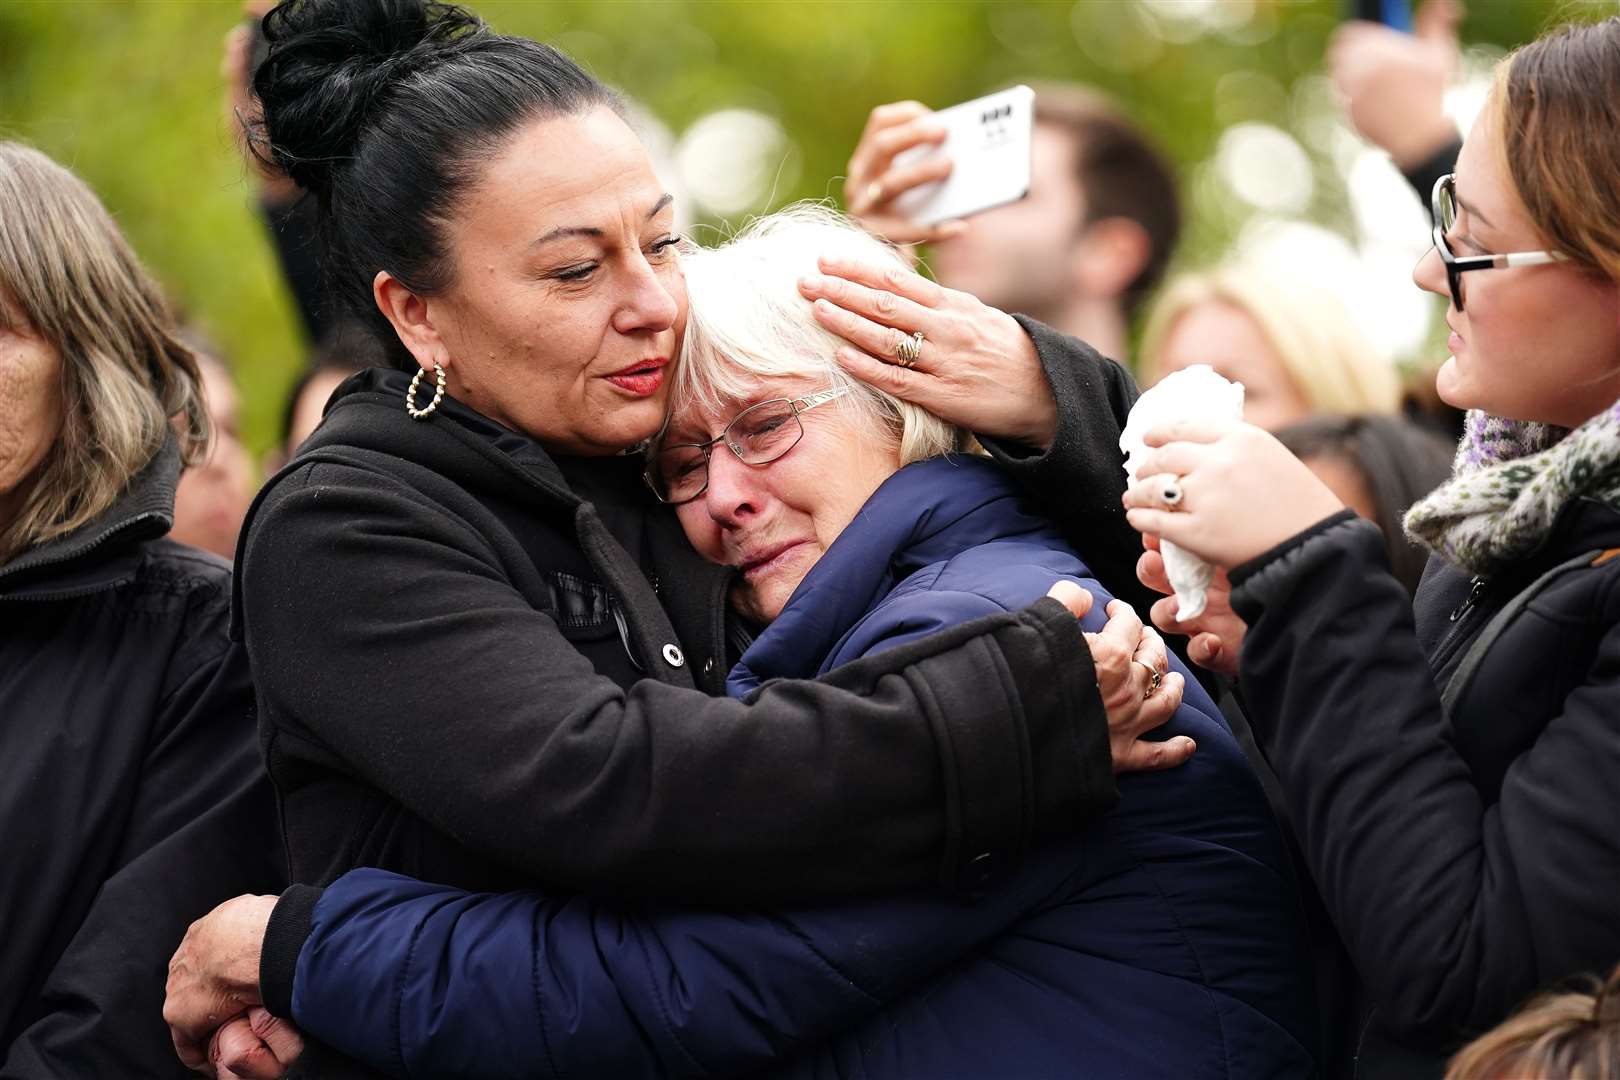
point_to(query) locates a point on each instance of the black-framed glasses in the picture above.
(758, 436)
(1444, 205)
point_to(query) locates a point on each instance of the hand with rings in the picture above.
(1138, 690)
(874, 181)
(1235, 491)
(942, 350)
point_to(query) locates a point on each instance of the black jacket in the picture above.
(1466, 850)
(132, 799)
(465, 674)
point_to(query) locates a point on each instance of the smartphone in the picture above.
(987, 140)
(1395, 14)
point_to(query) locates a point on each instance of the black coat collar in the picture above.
(105, 553)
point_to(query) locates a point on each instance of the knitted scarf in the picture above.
(1508, 484)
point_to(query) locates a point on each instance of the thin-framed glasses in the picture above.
(1444, 204)
(758, 436)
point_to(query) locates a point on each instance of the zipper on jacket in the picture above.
(1476, 589)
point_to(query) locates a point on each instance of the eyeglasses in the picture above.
(758, 436)
(1444, 205)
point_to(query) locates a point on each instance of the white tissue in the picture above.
(1193, 393)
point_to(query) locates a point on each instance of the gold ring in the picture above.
(908, 349)
(1155, 678)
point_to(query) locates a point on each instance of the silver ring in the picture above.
(1170, 494)
(908, 349)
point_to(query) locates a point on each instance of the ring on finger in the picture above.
(1170, 493)
(908, 348)
(1155, 678)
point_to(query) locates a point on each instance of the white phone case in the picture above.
(988, 141)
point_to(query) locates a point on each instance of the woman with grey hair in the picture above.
(132, 799)
(1160, 941)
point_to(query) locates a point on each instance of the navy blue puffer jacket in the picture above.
(1164, 940)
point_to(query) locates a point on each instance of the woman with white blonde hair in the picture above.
(132, 799)
(1293, 345)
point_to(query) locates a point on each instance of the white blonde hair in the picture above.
(1327, 357)
(747, 324)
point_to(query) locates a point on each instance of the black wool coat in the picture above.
(1450, 767)
(132, 799)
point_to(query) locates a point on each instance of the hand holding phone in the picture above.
(905, 182)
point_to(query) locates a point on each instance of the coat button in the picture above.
(673, 657)
(708, 666)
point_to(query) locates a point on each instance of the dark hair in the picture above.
(1121, 173)
(1400, 462)
(383, 110)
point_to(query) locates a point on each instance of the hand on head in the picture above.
(874, 181)
(1138, 689)
(976, 367)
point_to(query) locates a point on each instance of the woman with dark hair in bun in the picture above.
(486, 656)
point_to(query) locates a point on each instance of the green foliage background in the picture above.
(129, 94)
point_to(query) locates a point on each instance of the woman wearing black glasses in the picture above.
(1451, 769)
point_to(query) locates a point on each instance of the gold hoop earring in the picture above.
(438, 393)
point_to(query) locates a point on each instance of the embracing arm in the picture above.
(1454, 910)
(426, 980)
(900, 770)
(1047, 407)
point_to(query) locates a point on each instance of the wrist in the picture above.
(1039, 426)
(283, 937)
(1421, 142)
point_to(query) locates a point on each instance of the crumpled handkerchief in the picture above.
(1193, 393)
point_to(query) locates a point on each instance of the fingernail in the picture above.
(812, 283)
(822, 307)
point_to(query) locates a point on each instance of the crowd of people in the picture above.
(650, 660)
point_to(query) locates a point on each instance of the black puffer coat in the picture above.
(132, 799)
(1467, 848)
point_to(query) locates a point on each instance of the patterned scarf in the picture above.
(1508, 484)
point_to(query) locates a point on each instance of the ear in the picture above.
(1109, 256)
(412, 320)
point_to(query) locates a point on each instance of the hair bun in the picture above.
(330, 62)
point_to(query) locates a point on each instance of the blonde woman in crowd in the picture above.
(1449, 763)
(1294, 347)
(1572, 1034)
(131, 795)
